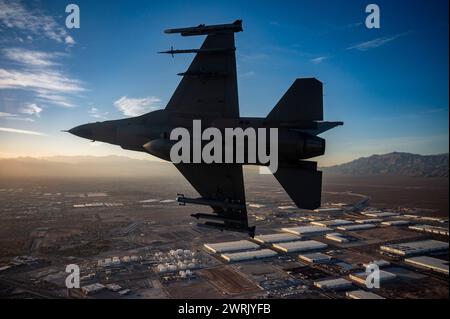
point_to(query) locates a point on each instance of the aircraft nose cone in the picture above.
(83, 131)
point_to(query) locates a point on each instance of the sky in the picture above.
(388, 85)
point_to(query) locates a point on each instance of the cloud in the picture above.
(375, 43)
(13, 130)
(14, 117)
(137, 106)
(31, 109)
(14, 15)
(29, 57)
(4, 114)
(319, 59)
(94, 112)
(41, 81)
(37, 72)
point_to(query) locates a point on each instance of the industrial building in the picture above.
(92, 289)
(415, 248)
(307, 230)
(333, 284)
(378, 214)
(276, 238)
(362, 294)
(396, 223)
(315, 258)
(361, 277)
(248, 255)
(340, 238)
(368, 221)
(379, 262)
(430, 229)
(231, 246)
(332, 223)
(299, 245)
(429, 263)
(356, 227)
(328, 210)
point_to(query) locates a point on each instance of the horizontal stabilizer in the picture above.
(303, 184)
(302, 102)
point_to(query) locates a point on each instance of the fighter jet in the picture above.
(208, 92)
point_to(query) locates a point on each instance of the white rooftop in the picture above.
(431, 263)
(315, 258)
(231, 246)
(247, 255)
(300, 245)
(356, 227)
(334, 222)
(415, 247)
(334, 284)
(307, 230)
(380, 214)
(361, 294)
(276, 238)
(336, 237)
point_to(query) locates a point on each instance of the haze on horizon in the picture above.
(389, 86)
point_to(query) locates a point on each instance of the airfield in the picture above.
(132, 240)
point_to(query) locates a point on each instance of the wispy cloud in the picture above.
(95, 113)
(14, 117)
(375, 43)
(37, 72)
(17, 131)
(30, 57)
(31, 109)
(39, 81)
(14, 15)
(319, 59)
(137, 106)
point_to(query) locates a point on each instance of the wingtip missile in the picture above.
(202, 29)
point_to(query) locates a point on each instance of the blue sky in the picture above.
(389, 85)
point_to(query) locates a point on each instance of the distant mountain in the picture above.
(395, 164)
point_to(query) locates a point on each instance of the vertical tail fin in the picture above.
(303, 101)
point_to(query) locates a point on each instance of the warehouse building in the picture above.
(276, 238)
(328, 210)
(396, 223)
(332, 223)
(430, 229)
(231, 246)
(356, 227)
(249, 255)
(378, 214)
(338, 237)
(299, 246)
(368, 221)
(361, 277)
(415, 248)
(334, 284)
(379, 262)
(315, 258)
(430, 263)
(307, 230)
(362, 294)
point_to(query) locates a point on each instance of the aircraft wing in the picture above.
(223, 183)
(209, 86)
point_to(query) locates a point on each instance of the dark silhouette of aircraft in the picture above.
(208, 91)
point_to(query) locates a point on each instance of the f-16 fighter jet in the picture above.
(208, 93)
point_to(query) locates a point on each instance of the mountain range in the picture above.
(392, 164)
